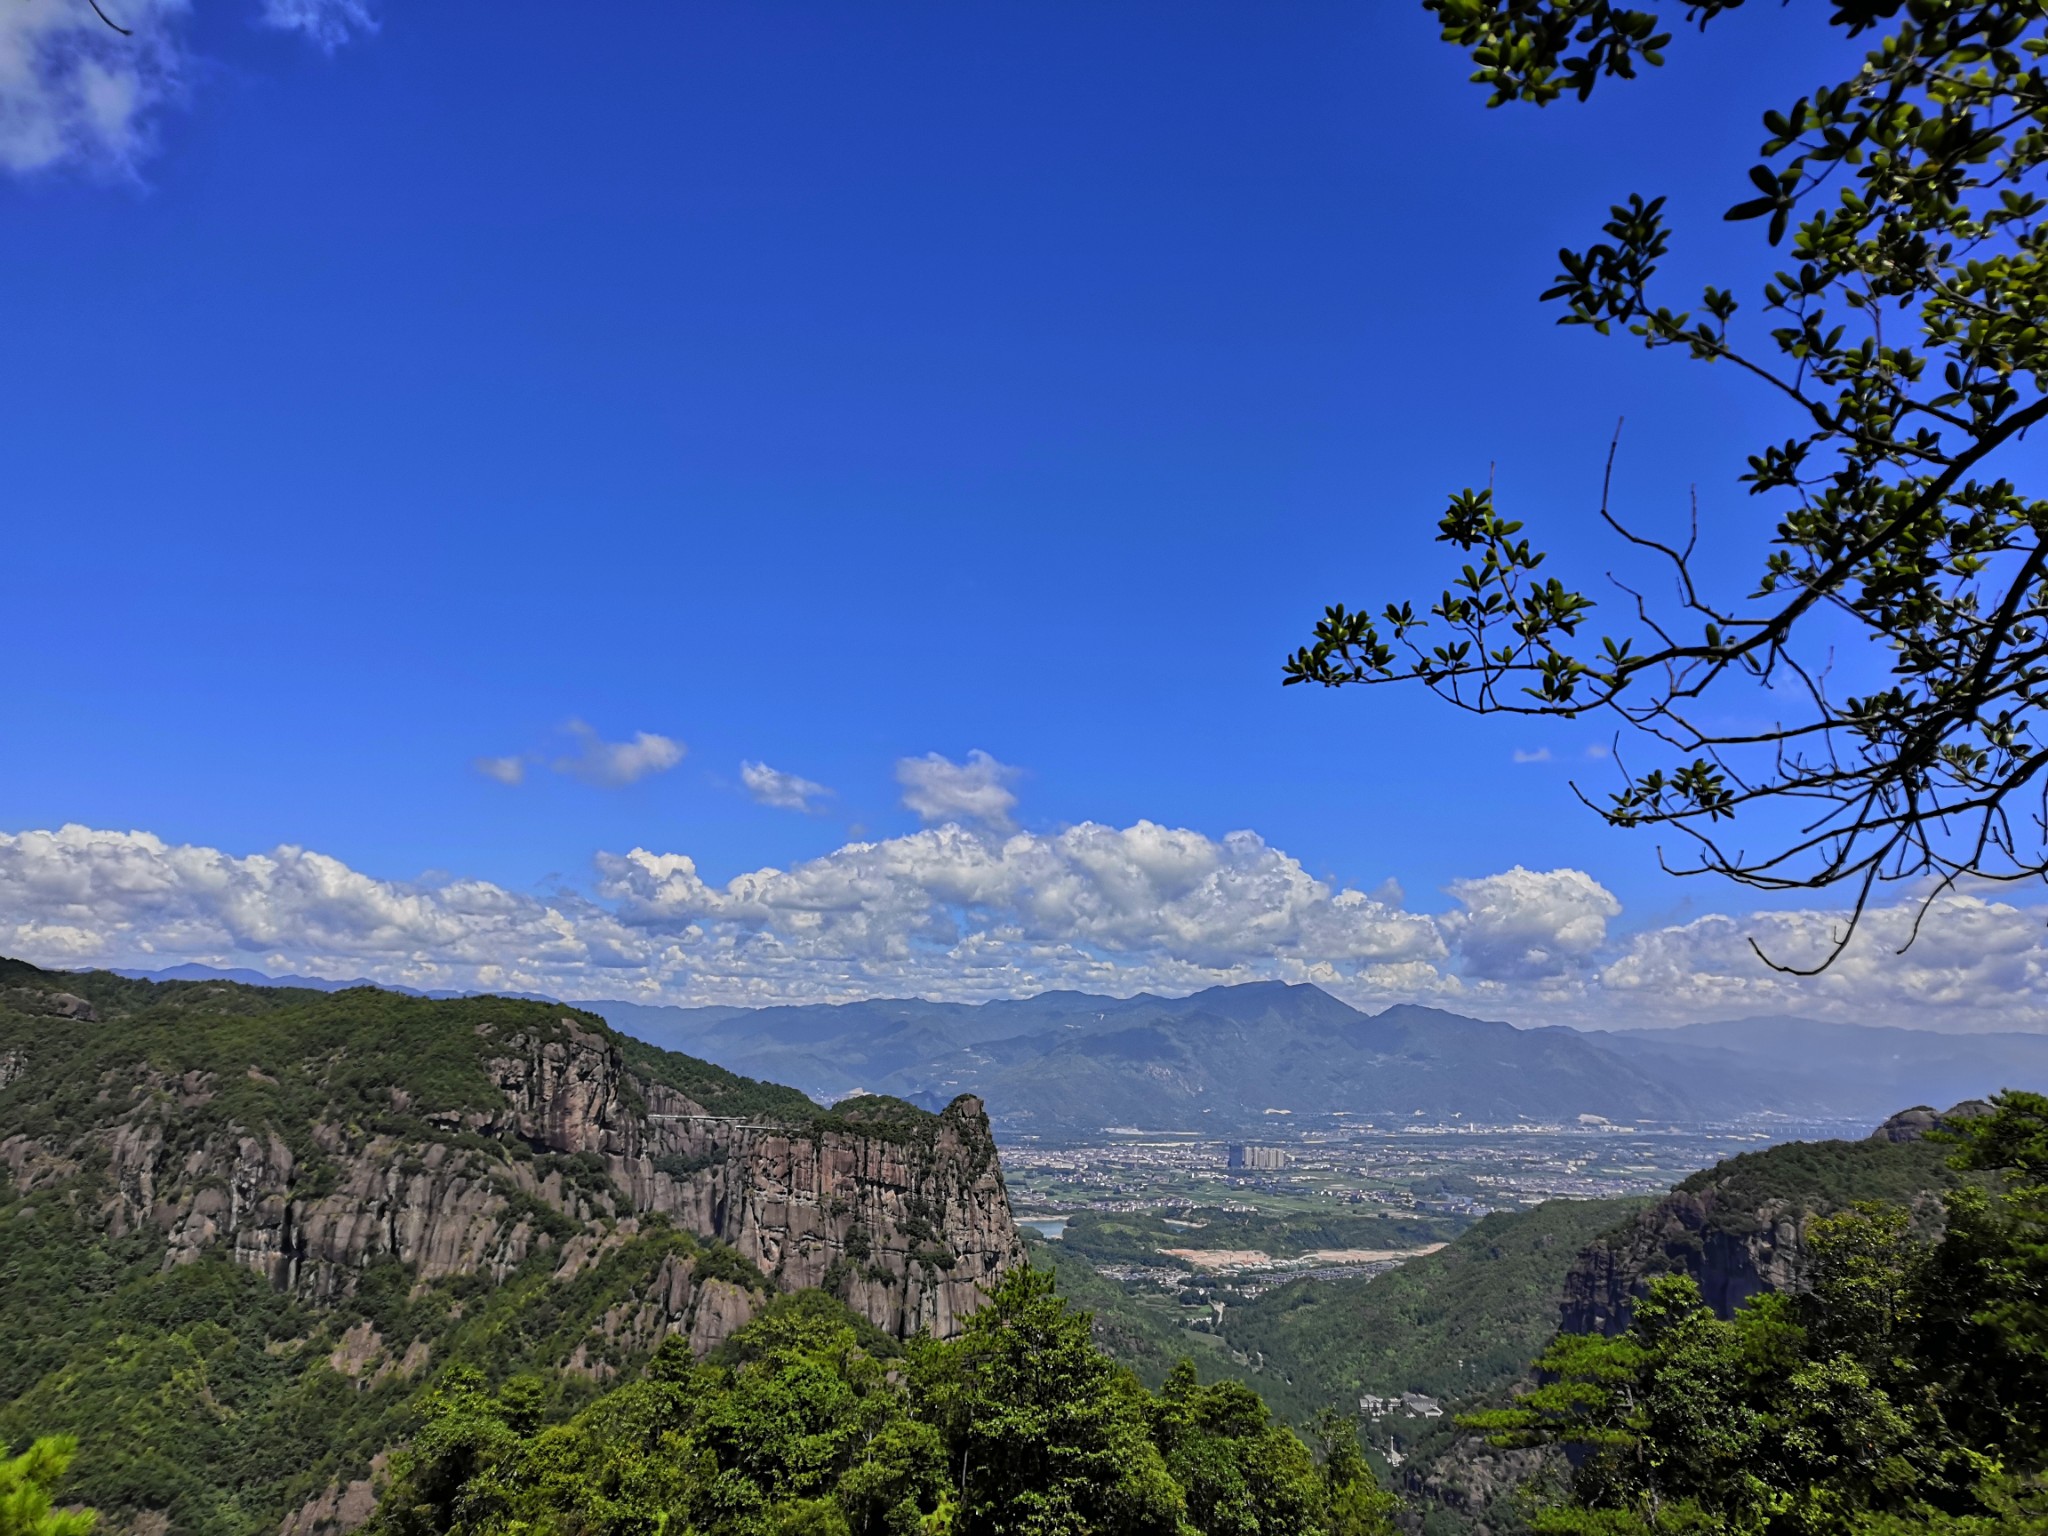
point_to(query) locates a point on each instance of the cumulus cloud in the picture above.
(958, 912)
(1539, 755)
(1976, 963)
(506, 770)
(613, 764)
(1145, 891)
(329, 23)
(80, 896)
(939, 789)
(785, 791)
(1529, 925)
(945, 912)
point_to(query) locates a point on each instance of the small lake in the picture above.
(1045, 1226)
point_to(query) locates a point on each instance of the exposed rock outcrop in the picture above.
(1761, 1250)
(1914, 1124)
(1740, 1229)
(441, 1184)
(51, 1004)
(343, 1506)
(908, 1221)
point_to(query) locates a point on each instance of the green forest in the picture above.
(1902, 1386)
(1454, 1324)
(1904, 1390)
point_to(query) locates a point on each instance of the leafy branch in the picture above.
(1907, 337)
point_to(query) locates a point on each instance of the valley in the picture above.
(260, 1231)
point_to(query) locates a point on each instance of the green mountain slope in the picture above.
(1453, 1324)
(242, 1228)
(1739, 1227)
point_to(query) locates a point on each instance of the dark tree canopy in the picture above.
(1903, 1391)
(1906, 335)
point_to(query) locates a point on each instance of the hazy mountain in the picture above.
(1069, 1063)
(242, 976)
(1846, 1070)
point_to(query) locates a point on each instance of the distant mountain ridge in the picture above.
(1858, 1068)
(1071, 1063)
(1067, 1063)
(243, 976)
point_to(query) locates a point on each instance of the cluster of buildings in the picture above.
(1410, 1405)
(1256, 1158)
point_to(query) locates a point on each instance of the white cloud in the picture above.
(80, 896)
(329, 23)
(939, 789)
(506, 770)
(943, 912)
(785, 791)
(613, 764)
(1977, 963)
(1529, 925)
(74, 92)
(1142, 891)
(953, 912)
(1540, 755)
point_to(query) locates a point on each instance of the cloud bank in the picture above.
(75, 92)
(954, 911)
(329, 23)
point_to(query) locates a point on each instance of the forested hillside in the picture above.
(803, 1423)
(1453, 1324)
(245, 1227)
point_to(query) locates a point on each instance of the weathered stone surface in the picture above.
(1915, 1123)
(58, 1005)
(341, 1506)
(1734, 1246)
(1677, 1235)
(909, 1228)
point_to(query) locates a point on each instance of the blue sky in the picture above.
(822, 387)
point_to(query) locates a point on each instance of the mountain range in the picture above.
(1224, 1060)
(1227, 1059)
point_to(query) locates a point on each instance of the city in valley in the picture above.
(1187, 1225)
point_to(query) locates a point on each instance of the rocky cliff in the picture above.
(242, 1229)
(902, 1213)
(1739, 1228)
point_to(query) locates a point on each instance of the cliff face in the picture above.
(1758, 1250)
(1740, 1228)
(906, 1219)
